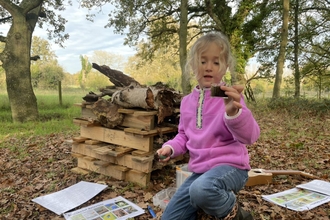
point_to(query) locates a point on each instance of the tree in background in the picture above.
(296, 49)
(309, 32)
(114, 61)
(316, 71)
(240, 21)
(163, 68)
(281, 54)
(96, 80)
(70, 81)
(23, 17)
(183, 34)
(86, 68)
(45, 72)
(313, 44)
(92, 79)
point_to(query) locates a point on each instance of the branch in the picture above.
(35, 58)
(209, 10)
(255, 74)
(3, 20)
(316, 9)
(3, 39)
(27, 6)
(10, 7)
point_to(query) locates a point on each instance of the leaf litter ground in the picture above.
(41, 165)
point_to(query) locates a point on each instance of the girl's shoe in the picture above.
(238, 213)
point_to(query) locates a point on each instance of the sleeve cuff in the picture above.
(234, 116)
(171, 148)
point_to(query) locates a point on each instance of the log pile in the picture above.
(128, 93)
(119, 135)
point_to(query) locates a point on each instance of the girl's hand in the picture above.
(164, 154)
(234, 97)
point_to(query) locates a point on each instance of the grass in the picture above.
(53, 117)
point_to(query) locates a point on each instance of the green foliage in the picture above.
(86, 67)
(96, 80)
(46, 72)
(164, 68)
(312, 37)
(51, 15)
(258, 89)
(114, 61)
(42, 48)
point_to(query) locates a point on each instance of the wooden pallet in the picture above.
(121, 163)
(116, 171)
(129, 137)
(133, 118)
(120, 156)
(124, 154)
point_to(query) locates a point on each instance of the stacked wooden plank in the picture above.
(125, 152)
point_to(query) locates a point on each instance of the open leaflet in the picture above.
(304, 197)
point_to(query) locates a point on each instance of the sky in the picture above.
(85, 38)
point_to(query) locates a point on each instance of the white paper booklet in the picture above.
(303, 197)
(118, 208)
(70, 198)
(317, 186)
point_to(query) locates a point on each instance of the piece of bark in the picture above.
(117, 77)
(107, 113)
(164, 104)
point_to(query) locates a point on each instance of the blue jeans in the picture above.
(212, 191)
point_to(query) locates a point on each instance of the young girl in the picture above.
(215, 132)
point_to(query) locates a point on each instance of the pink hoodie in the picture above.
(210, 136)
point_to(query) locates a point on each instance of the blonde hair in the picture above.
(226, 60)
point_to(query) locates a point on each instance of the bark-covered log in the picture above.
(117, 77)
(133, 97)
(107, 113)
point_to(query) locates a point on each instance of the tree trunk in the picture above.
(281, 55)
(16, 62)
(296, 51)
(185, 77)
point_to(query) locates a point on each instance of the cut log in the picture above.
(133, 97)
